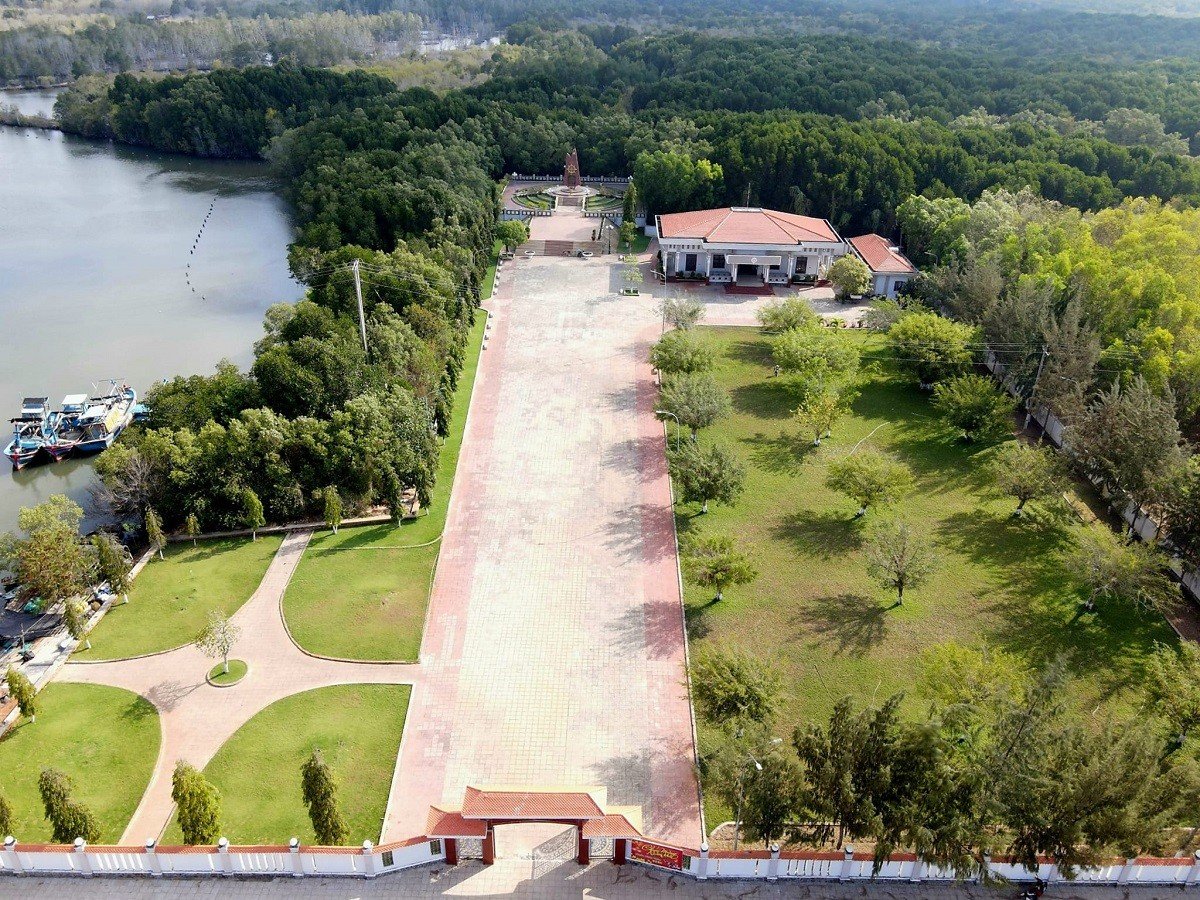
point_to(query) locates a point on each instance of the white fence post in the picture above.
(847, 863)
(1126, 871)
(918, 870)
(223, 854)
(14, 859)
(85, 864)
(153, 863)
(702, 869)
(773, 865)
(297, 863)
(368, 859)
(1193, 875)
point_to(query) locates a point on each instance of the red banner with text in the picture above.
(667, 857)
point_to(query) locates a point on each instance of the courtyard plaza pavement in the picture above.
(554, 653)
(567, 224)
(196, 717)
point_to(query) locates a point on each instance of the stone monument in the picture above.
(571, 170)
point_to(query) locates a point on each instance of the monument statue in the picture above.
(571, 170)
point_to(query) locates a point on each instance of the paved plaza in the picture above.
(554, 647)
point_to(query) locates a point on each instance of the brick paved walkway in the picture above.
(554, 648)
(198, 718)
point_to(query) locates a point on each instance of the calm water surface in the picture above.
(95, 243)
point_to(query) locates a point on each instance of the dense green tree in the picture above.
(729, 686)
(707, 474)
(681, 313)
(681, 352)
(818, 357)
(668, 181)
(1026, 472)
(821, 409)
(931, 347)
(849, 276)
(1173, 687)
(975, 407)
(696, 400)
(1119, 571)
(113, 563)
(21, 689)
(780, 316)
(320, 791)
(197, 805)
(69, 819)
(51, 561)
(154, 532)
(869, 478)
(333, 508)
(75, 619)
(512, 233)
(714, 560)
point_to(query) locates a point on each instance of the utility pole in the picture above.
(362, 320)
(1033, 390)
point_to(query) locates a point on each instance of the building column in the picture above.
(451, 845)
(584, 855)
(619, 851)
(489, 846)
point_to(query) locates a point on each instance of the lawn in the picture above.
(362, 593)
(489, 277)
(357, 727)
(106, 739)
(172, 597)
(815, 614)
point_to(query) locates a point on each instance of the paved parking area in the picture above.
(554, 647)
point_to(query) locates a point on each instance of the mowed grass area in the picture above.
(362, 593)
(105, 738)
(172, 597)
(358, 729)
(815, 614)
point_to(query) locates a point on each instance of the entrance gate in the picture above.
(598, 832)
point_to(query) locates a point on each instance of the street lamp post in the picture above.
(678, 425)
(737, 812)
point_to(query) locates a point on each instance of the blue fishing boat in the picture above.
(64, 421)
(101, 422)
(30, 432)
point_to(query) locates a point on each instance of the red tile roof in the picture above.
(613, 825)
(479, 804)
(880, 255)
(746, 225)
(443, 823)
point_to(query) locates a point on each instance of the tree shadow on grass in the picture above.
(137, 710)
(824, 534)
(756, 353)
(775, 398)
(356, 537)
(856, 623)
(782, 454)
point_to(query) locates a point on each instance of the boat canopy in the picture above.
(95, 412)
(33, 408)
(74, 402)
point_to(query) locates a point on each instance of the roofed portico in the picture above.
(484, 809)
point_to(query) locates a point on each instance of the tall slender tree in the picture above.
(197, 803)
(69, 819)
(320, 792)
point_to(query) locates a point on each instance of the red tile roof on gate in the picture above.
(501, 804)
(448, 823)
(613, 825)
(746, 225)
(880, 256)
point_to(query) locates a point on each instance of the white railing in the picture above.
(222, 860)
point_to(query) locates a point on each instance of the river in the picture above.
(95, 242)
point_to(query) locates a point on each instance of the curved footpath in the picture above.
(196, 717)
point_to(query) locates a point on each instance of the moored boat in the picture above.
(63, 426)
(29, 432)
(103, 422)
(94, 427)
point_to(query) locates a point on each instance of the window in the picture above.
(718, 261)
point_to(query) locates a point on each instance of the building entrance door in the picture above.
(746, 272)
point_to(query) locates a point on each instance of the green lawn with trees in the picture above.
(357, 728)
(104, 739)
(172, 597)
(362, 593)
(817, 615)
